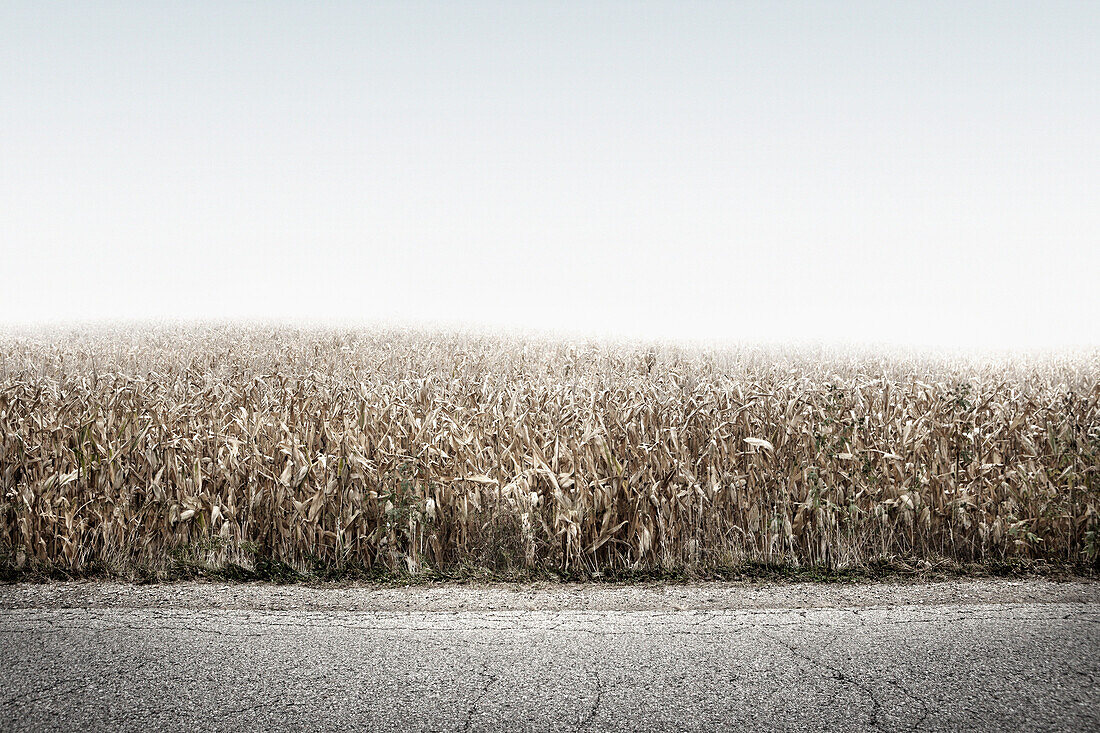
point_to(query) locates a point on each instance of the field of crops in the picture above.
(405, 451)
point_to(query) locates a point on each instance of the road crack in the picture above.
(489, 682)
(837, 674)
(597, 698)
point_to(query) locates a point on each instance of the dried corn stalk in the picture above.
(402, 450)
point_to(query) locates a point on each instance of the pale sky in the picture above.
(915, 173)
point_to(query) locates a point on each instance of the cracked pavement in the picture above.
(979, 654)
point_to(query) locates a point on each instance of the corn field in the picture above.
(395, 450)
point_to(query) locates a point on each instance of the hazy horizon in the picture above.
(920, 175)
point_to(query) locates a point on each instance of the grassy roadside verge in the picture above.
(182, 569)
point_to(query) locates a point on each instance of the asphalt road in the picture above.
(989, 655)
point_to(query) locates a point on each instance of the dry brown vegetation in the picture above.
(394, 450)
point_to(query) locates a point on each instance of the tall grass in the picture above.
(402, 451)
